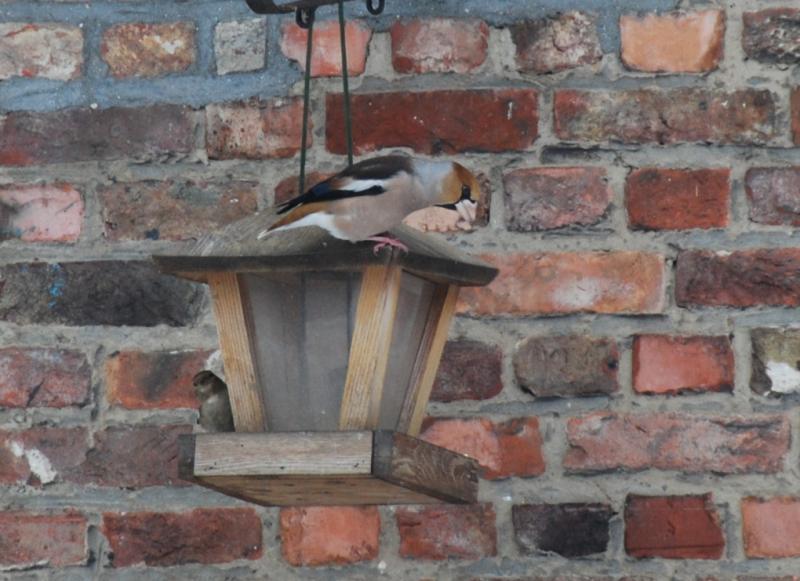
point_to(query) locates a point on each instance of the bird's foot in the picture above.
(384, 241)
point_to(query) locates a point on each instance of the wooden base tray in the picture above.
(327, 468)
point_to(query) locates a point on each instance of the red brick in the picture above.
(33, 540)
(45, 213)
(133, 457)
(72, 135)
(774, 195)
(329, 535)
(148, 50)
(554, 197)
(772, 35)
(447, 532)
(671, 365)
(604, 441)
(326, 56)
(169, 210)
(673, 527)
(675, 42)
(439, 45)
(486, 120)
(556, 43)
(567, 282)
(42, 49)
(41, 455)
(685, 115)
(771, 527)
(746, 278)
(795, 114)
(677, 199)
(203, 535)
(505, 449)
(255, 130)
(161, 379)
(469, 370)
(43, 377)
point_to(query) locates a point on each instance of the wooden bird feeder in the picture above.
(330, 354)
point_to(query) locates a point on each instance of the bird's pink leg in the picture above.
(384, 241)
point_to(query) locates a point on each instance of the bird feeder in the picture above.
(330, 354)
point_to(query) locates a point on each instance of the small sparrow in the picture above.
(373, 196)
(215, 405)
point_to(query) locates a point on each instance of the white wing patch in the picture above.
(323, 220)
(362, 185)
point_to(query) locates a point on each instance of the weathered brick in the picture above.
(488, 120)
(566, 366)
(772, 35)
(555, 197)
(141, 49)
(42, 49)
(745, 278)
(39, 456)
(677, 199)
(673, 527)
(133, 457)
(240, 45)
(40, 213)
(169, 210)
(795, 115)
(447, 532)
(329, 535)
(203, 535)
(503, 449)
(771, 527)
(604, 441)
(675, 42)
(326, 55)
(96, 293)
(255, 130)
(570, 530)
(776, 353)
(71, 135)
(439, 45)
(670, 365)
(774, 195)
(556, 43)
(685, 115)
(30, 540)
(161, 379)
(31, 377)
(468, 370)
(566, 282)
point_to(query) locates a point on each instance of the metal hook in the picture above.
(375, 9)
(304, 17)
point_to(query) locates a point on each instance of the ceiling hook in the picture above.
(375, 7)
(304, 17)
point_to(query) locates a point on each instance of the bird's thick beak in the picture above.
(467, 210)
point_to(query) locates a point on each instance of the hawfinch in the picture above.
(373, 196)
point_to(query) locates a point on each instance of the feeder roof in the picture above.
(236, 248)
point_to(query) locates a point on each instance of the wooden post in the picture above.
(369, 349)
(428, 357)
(237, 354)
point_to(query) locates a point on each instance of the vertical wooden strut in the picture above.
(369, 350)
(427, 362)
(237, 353)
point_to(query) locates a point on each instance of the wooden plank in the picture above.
(369, 350)
(427, 469)
(237, 353)
(283, 454)
(428, 357)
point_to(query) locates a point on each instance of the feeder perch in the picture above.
(330, 354)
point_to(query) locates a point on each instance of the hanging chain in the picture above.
(345, 86)
(305, 19)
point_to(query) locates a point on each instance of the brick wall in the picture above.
(629, 383)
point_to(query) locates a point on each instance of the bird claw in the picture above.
(386, 241)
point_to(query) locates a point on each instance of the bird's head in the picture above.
(460, 192)
(206, 384)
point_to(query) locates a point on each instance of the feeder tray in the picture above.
(330, 354)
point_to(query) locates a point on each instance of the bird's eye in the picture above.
(466, 193)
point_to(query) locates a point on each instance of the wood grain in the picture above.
(428, 359)
(283, 454)
(237, 353)
(369, 349)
